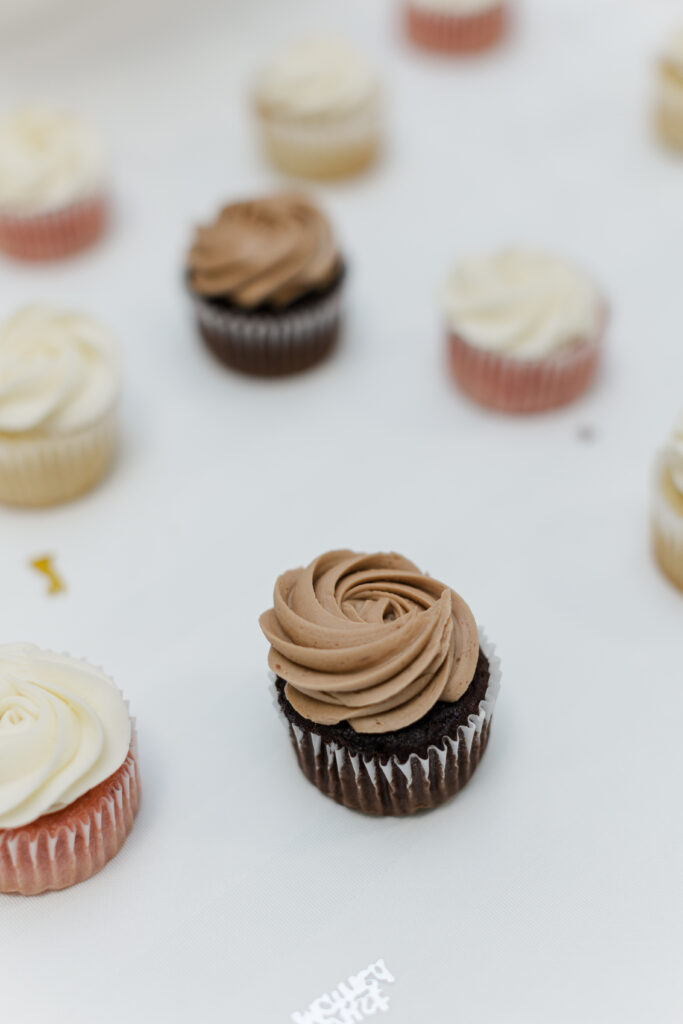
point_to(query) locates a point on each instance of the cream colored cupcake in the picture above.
(667, 507)
(60, 381)
(318, 107)
(669, 106)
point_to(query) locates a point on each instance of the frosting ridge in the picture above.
(521, 303)
(369, 639)
(59, 372)
(272, 250)
(64, 728)
(673, 455)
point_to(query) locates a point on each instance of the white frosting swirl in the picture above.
(64, 728)
(317, 77)
(48, 159)
(459, 7)
(523, 304)
(671, 76)
(673, 455)
(59, 372)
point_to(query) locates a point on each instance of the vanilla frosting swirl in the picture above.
(64, 728)
(523, 304)
(48, 159)
(316, 78)
(59, 372)
(673, 455)
(264, 251)
(369, 639)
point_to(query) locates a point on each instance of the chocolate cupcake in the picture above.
(386, 683)
(266, 278)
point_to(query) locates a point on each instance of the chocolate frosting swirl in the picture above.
(369, 639)
(264, 251)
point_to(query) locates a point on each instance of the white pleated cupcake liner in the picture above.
(324, 148)
(667, 527)
(37, 471)
(52, 234)
(389, 785)
(265, 342)
(70, 846)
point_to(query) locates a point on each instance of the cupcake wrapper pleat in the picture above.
(55, 233)
(271, 343)
(667, 530)
(70, 846)
(330, 149)
(47, 470)
(384, 785)
(456, 33)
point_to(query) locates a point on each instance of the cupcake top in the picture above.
(522, 304)
(59, 372)
(673, 455)
(64, 728)
(316, 78)
(672, 55)
(369, 639)
(459, 7)
(269, 251)
(48, 159)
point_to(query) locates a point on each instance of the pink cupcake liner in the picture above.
(514, 385)
(69, 846)
(456, 33)
(56, 233)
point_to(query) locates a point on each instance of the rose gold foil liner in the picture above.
(69, 846)
(271, 343)
(667, 527)
(515, 385)
(54, 234)
(38, 471)
(456, 33)
(385, 785)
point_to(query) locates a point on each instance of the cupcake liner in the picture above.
(53, 234)
(48, 470)
(515, 385)
(315, 149)
(388, 785)
(667, 528)
(271, 343)
(69, 846)
(456, 33)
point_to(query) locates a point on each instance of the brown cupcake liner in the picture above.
(69, 846)
(387, 785)
(54, 234)
(271, 343)
(442, 32)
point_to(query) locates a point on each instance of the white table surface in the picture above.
(550, 890)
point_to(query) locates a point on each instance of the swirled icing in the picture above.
(271, 250)
(369, 639)
(523, 304)
(64, 728)
(48, 159)
(673, 455)
(319, 77)
(59, 372)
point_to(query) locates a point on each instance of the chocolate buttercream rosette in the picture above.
(386, 682)
(266, 279)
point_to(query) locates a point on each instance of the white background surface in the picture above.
(550, 889)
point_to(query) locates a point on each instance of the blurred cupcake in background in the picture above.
(667, 507)
(266, 278)
(669, 103)
(53, 196)
(456, 26)
(60, 382)
(525, 329)
(318, 107)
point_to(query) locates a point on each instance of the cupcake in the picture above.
(669, 103)
(266, 278)
(384, 679)
(318, 107)
(456, 26)
(667, 507)
(53, 199)
(69, 786)
(524, 329)
(60, 380)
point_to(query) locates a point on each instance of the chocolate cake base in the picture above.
(397, 772)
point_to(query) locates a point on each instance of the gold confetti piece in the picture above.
(44, 565)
